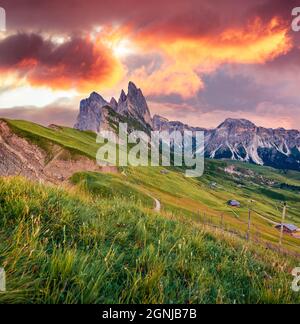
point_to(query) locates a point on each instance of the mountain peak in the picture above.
(113, 103)
(96, 97)
(90, 112)
(123, 97)
(132, 88)
(234, 122)
(160, 118)
(159, 122)
(134, 104)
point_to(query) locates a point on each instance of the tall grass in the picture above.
(65, 246)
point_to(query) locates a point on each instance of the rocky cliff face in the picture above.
(133, 105)
(244, 141)
(90, 114)
(19, 157)
(240, 139)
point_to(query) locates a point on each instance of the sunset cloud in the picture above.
(77, 63)
(192, 58)
(188, 58)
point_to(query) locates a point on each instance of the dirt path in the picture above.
(157, 208)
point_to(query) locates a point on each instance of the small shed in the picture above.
(287, 228)
(234, 203)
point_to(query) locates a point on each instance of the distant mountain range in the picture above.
(236, 139)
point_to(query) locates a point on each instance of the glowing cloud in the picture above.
(187, 58)
(59, 64)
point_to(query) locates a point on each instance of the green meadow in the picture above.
(67, 246)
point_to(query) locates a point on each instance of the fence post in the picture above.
(249, 224)
(249, 219)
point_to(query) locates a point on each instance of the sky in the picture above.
(197, 61)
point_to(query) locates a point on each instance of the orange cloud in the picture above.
(96, 62)
(172, 78)
(186, 58)
(77, 63)
(257, 43)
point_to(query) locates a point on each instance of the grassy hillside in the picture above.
(83, 143)
(68, 246)
(196, 199)
(110, 186)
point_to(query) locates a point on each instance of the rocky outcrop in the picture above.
(90, 114)
(19, 157)
(133, 104)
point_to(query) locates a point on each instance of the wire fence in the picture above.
(252, 232)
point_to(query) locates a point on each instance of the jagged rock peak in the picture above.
(133, 89)
(135, 93)
(113, 103)
(123, 97)
(135, 105)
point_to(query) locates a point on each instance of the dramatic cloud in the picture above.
(76, 63)
(187, 58)
(194, 59)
